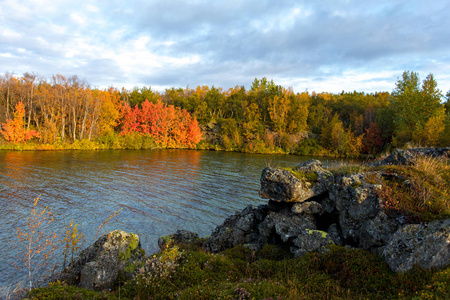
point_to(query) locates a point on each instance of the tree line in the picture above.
(266, 118)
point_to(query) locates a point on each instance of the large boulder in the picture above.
(362, 218)
(99, 265)
(240, 228)
(307, 180)
(285, 226)
(425, 245)
(311, 241)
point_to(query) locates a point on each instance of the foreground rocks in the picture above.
(425, 245)
(99, 265)
(307, 213)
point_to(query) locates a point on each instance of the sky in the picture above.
(314, 45)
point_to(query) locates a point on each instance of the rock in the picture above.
(241, 228)
(398, 157)
(324, 178)
(98, 266)
(307, 208)
(425, 245)
(308, 180)
(284, 225)
(376, 232)
(361, 213)
(311, 241)
(431, 152)
(335, 235)
(181, 236)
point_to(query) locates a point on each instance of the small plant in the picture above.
(38, 241)
(106, 221)
(71, 242)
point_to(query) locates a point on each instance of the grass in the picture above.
(421, 191)
(304, 176)
(272, 273)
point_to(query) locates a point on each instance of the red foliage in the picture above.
(14, 129)
(372, 141)
(170, 126)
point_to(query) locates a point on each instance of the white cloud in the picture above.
(329, 45)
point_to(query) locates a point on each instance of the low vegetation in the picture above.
(237, 273)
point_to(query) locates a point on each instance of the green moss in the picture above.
(323, 234)
(304, 176)
(133, 244)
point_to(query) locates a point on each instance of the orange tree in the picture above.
(14, 129)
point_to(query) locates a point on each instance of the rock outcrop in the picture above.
(307, 180)
(99, 265)
(398, 157)
(425, 245)
(309, 209)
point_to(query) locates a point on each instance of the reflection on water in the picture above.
(160, 191)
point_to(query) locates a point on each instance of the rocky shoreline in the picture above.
(308, 209)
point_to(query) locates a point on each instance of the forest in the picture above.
(62, 112)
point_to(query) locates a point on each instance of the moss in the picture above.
(356, 184)
(323, 234)
(133, 244)
(303, 176)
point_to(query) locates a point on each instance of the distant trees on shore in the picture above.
(265, 118)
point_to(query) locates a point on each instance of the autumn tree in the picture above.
(278, 107)
(14, 129)
(372, 141)
(170, 126)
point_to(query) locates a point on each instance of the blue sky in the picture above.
(324, 45)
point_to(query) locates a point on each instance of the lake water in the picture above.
(159, 191)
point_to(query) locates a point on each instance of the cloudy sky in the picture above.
(324, 45)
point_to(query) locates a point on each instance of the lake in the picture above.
(159, 191)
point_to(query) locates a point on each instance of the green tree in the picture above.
(412, 106)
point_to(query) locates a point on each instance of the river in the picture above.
(159, 191)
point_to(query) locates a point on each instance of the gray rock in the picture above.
(376, 232)
(241, 228)
(311, 241)
(425, 245)
(284, 225)
(431, 152)
(307, 208)
(98, 266)
(325, 178)
(181, 236)
(361, 214)
(335, 235)
(283, 186)
(398, 157)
